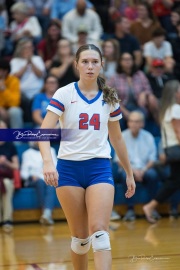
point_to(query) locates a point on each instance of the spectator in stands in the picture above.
(176, 52)
(63, 65)
(81, 15)
(130, 11)
(170, 123)
(142, 155)
(163, 170)
(133, 88)
(30, 69)
(143, 27)
(4, 15)
(127, 42)
(60, 8)
(41, 9)
(175, 18)
(162, 10)
(82, 33)
(159, 48)
(124, 8)
(10, 96)
(8, 163)
(24, 25)
(158, 77)
(101, 8)
(110, 48)
(47, 47)
(31, 173)
(42, 100)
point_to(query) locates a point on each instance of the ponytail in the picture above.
(109, 93)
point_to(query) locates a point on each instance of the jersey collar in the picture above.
(84, 98)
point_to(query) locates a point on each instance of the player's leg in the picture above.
(72, 200)
(99, 203)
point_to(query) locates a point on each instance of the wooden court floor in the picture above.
(135, 246)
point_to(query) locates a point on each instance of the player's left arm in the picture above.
(49, 171)
(118, 143)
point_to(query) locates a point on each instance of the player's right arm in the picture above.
(49, 170)
(55, 109)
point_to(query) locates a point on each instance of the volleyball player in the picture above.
(83, 177)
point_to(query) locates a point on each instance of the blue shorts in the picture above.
(84, 173)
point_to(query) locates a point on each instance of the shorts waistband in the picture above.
(84, 162)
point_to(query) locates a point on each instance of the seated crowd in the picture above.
(140, 45)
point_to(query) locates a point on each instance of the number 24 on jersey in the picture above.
(85, 122)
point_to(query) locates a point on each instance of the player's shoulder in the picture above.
(65, 91)
(67, 88)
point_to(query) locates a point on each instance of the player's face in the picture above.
(89, 64)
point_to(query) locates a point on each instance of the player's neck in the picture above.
(87, 86)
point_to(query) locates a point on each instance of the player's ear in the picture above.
(102, 64)
(75, 64)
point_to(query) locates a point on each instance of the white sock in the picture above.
(47, 212)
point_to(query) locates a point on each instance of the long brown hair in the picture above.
(48, 44)
(109, 93)
(149, 10)
(120, 69)
(168, 97)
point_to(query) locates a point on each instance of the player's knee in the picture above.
(100, 241)
(80, 246)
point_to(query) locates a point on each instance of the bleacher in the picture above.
(26, 206)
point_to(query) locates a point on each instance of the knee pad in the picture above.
(80, 246)
(100, 241)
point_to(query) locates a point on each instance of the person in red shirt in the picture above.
(47, 47)
(162, 9)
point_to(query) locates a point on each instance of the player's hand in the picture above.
(131, 186)
(50, 174)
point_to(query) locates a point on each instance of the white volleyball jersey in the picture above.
(87, 122)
